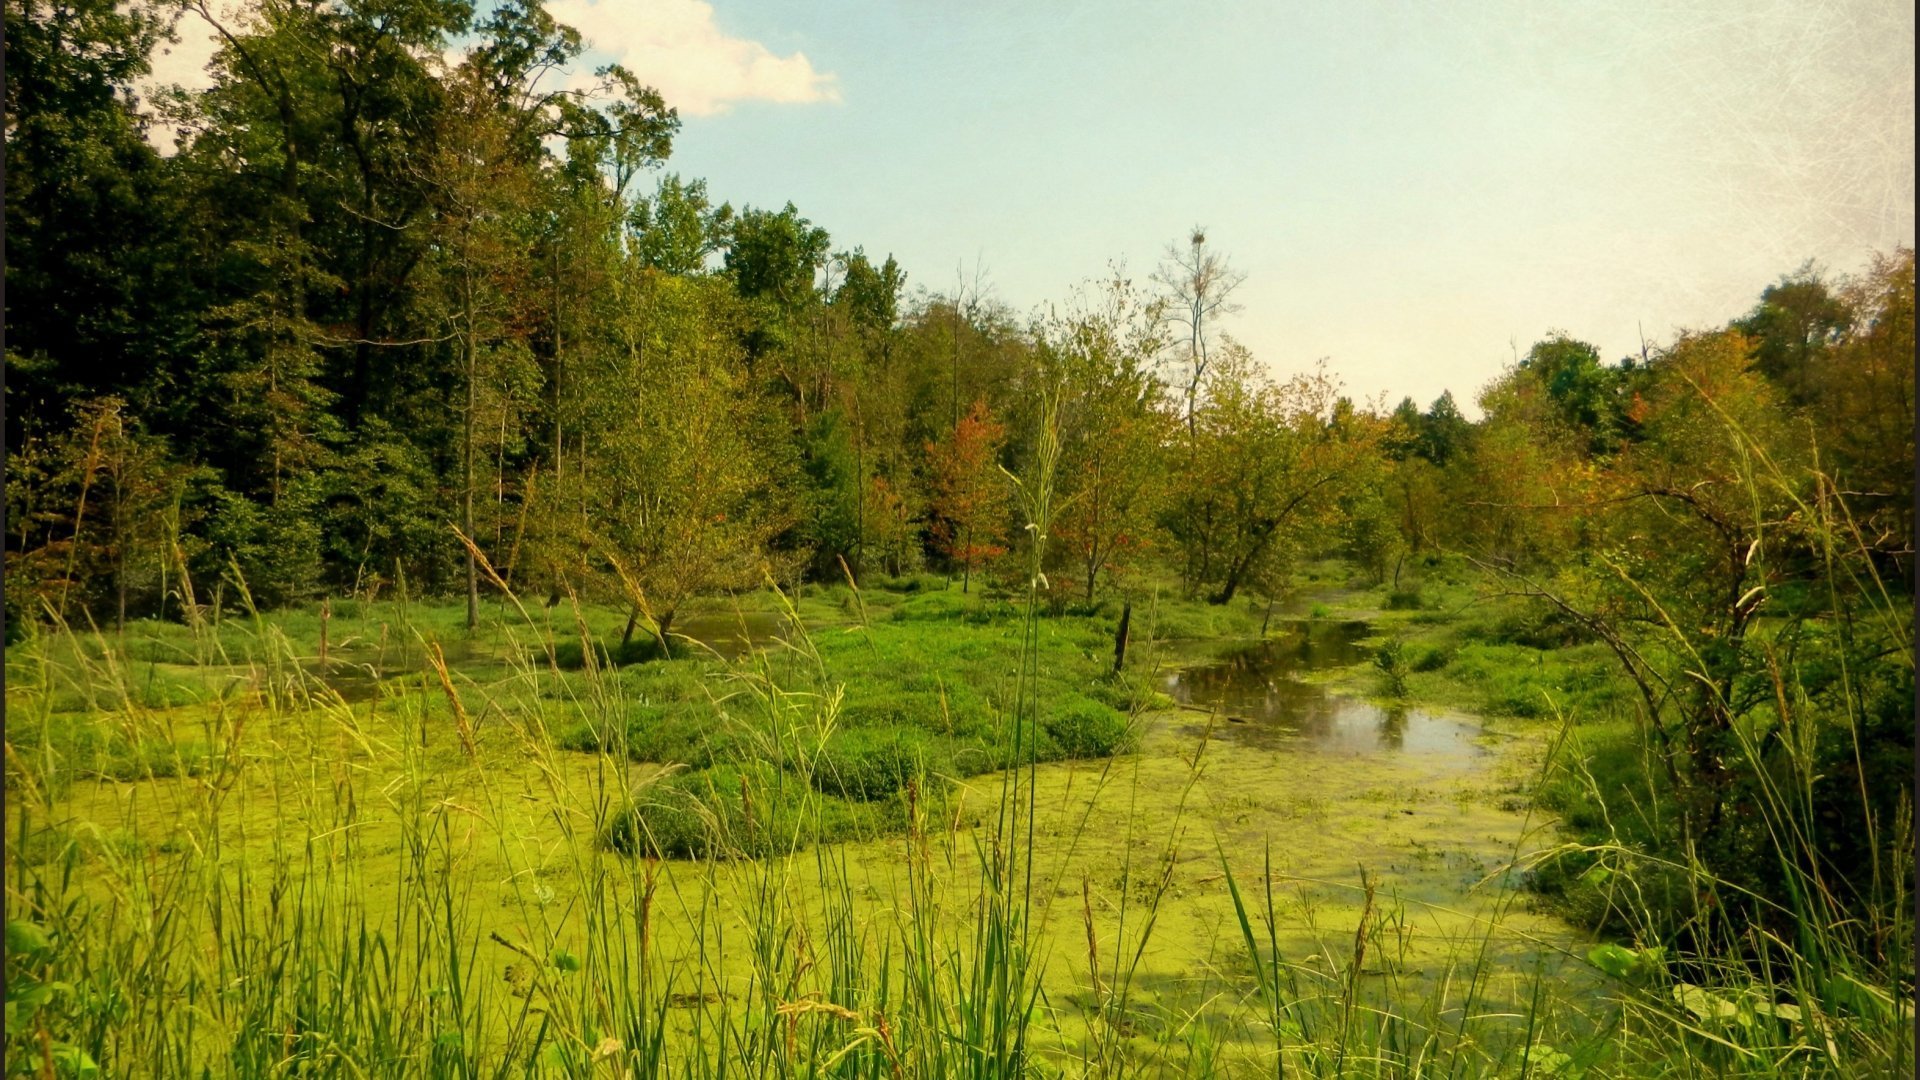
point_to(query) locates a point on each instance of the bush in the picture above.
(739, 809)
(1122, 691)
(913, 583)
(896, 708)
(675, 734)
(569, 656)
(1085, 728)
(1548, 628)
(680, 817)
(1405, 600)
(1391, 661)
(932, 607)
(868, 764)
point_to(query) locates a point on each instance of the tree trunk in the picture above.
(633, 619)
(1268, 617)
(956, 360)
(119, 559)
(466, 512)
(1120, 637)
(666, 622)
(966, 564)
(859, 504)
(559, 369)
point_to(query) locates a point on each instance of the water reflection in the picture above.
(1258, 699)
(730, 634)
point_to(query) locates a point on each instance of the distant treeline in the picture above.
(392, 291)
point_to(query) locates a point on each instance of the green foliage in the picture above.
(1086, 728)
(373, 296)
(678, 230)
(1583, 394)
(739, 810)
(1390, 659)
(913, 583)
(831, 526)
(1405, 600)
(867, 763)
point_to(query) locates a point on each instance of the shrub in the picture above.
(1391, 660)
(739, 810)
(676, 817)
(1085, 728)
(1539, 629)
(1405, 600)
(914, 583)
(898, 708)
(866, 764)
(663, 732)
(569, 656)
(932, 607)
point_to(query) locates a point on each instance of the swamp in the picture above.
(479, 605)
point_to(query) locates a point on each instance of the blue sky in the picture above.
(1412, 190)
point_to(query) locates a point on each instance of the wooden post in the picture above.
(1120, 638)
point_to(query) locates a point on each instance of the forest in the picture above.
(402, 368)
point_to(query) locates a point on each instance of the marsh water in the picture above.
(1262, 771)
(1256, 695)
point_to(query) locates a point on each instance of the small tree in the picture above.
(685, 498)
(1113, 429)
(892, 536)
(93, 516)
(1266, 471)
(969, 495)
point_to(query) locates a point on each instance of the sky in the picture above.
(1415, 192)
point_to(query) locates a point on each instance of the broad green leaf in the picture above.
(26, 939)
(1617, 961)
(1705, 1006)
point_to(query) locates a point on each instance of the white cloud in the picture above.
(675, 46)
(672, 45)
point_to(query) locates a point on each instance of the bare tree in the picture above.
(967, 305)
(1199, 284)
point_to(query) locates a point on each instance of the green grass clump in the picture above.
(913, 583)
(749, 810)
(680, 733)
(864, 764)
(1517, 680)
(1086, 729)
(571, 656)
(923, 693)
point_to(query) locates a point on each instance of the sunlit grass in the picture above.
(414, 877)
